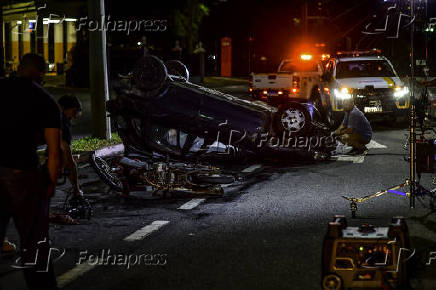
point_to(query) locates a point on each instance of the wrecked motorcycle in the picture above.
(137, 173)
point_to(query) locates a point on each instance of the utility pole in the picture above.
(40, 7)
(304, 18)
(2, 50)
(98, 75)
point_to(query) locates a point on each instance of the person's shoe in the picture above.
(357, 151)
(8, 248)
(341, 149)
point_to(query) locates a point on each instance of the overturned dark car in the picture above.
(158, 110)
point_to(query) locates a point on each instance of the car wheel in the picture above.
(293, 118)
(150, 74)
(177, 68)
(331, 282)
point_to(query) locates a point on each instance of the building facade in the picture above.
(21, 24)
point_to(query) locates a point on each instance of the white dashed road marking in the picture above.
(81, 269)
(145, 231)
(354, 159)
(192, 203)
(74, 273)
(360, 158)
(251, 168)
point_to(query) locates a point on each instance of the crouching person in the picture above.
(355, 130)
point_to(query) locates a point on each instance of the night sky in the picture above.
(274, 27)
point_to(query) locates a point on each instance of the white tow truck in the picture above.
(295, 80)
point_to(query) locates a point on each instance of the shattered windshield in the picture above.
(364, 68)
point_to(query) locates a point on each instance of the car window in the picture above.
(364, 68)
(290, 66)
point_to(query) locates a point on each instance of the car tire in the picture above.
(293, 118)
(177, 68)
(150, 74)
(332, 282)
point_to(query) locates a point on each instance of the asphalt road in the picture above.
(266, 235)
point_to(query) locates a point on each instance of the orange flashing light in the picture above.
(306, 56)
(325, 56)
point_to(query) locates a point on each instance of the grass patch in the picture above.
(91, 144)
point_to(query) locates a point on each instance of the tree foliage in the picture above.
(187, 21)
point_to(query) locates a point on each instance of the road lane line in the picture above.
(252, 168)
(191, 204)
(74, 273)
(375, 145)
(145, 231)
(354, 159)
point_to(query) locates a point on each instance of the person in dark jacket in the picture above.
(29, 116)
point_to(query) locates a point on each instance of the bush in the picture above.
(91, 144)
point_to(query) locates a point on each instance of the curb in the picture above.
(85, 156)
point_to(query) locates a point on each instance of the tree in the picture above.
(187, 22)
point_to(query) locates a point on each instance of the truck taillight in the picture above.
(295, 82)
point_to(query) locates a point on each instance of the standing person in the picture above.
(29, 116)
(71, 109)
(355, 130)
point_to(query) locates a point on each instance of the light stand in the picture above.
(412, 124)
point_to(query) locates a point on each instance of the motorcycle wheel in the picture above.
(104, 169)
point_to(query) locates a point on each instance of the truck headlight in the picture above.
(343, 94)
(400, 92)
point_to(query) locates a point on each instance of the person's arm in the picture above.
(53, 139)
(72, 166)
(339, 130)
(343, 130)
(347, 131)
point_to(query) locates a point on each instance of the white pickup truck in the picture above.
(295, 80)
